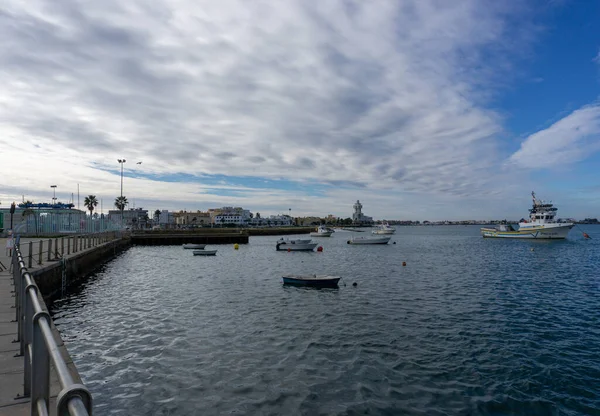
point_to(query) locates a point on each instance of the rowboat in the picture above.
(312, 280)
(205, 252)
(295, 245)
(194, 246)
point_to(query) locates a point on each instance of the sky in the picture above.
(422, 109)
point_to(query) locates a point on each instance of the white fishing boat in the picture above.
(384, 228)
(370, 240)
(322, 231)
(541, 224)
(205, 252)
(295, 245)
(194, 246)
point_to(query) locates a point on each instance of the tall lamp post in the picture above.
(54, 196)
(121, 161)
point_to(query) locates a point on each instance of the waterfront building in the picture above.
(132, 217)
(197, 218)
(229, 215)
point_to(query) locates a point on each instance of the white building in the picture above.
(273, 221)
(230, 215)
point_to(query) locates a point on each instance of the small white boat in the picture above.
(294, 240)
(541, 225)
(194, 246)
(295, 245)
(370, 240)
(384, 228)
(205, 252)
(322, 231)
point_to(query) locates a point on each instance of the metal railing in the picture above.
(39, 348)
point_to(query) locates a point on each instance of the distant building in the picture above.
(166, 219)
(358, 217)
(197, 218)
(133, 217)
(229, 215)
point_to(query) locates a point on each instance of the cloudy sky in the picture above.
(422, 109)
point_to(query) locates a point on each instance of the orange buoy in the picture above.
(320, 248)
(289, 249)
(404, 263)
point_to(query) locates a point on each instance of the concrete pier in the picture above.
(70, 257)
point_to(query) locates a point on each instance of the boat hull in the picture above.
(324, 234)
(205, 252)
(537, 233)
(194, 246)
(383, 232)
(370, 240)
(296, 247)
(314, 281)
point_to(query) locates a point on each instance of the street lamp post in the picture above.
(121, 161)
(54, 197)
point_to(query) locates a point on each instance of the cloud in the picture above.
(573, 138)
(389, 98)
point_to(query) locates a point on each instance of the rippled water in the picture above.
(469, 326)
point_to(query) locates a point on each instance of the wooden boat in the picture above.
(205, 252)
(370, 240)
(194, 246)
(312, 280)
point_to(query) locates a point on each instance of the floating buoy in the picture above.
(236, 246)
(320, 248)
(348, 242)
(531, 249)
(289, 249)
(394, 242)
(354, 284)
(404, 263)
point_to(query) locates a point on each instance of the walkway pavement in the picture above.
(11, 364)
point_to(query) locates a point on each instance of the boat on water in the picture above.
(205, 252)
(322, 231)
(370, 240)
(295, 245)
(194, 246)
(312, 280)
(384, 228)
(294, 240)
(541, 224)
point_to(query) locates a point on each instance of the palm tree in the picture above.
(157, 215)
(120, 203)
(90, 202)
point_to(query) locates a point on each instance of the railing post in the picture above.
(49, 248)
(28, 337)
(55, 248)
(40, 366)
(69, 245)
(81, 238)
(18, 297)
(40, 252)
(62, 246)
(30, 254)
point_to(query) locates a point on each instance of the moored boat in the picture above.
(370, 240)
(312, 280)
(541, 224)
(294, 240)
(322, 231)
(194, 246)
(205, 252)
(384, 228)
(295, 245)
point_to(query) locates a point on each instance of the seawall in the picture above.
(76, 267)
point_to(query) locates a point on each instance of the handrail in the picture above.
(38, 346)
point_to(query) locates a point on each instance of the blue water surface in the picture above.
(470, 326)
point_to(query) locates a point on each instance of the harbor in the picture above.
(225, 334)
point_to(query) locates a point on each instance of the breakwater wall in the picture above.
(170, 239)
(58, 276)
